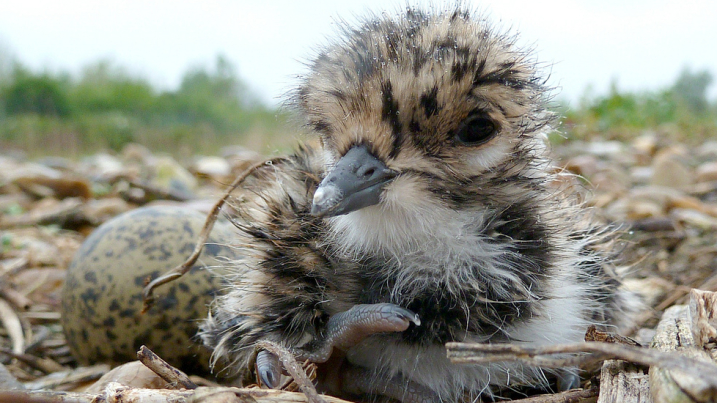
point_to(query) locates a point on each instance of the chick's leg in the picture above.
(347, 329)
(342, 331)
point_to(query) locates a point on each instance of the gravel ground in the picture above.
(664, 196)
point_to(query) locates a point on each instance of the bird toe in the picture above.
(268, 369)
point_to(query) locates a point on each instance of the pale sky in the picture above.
(643, 44)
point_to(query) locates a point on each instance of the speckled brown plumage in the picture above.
(465, 223)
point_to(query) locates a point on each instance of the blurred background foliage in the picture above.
(681, 113)
(105, 108)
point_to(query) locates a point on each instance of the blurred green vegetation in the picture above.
(106, 108)
(682, 112)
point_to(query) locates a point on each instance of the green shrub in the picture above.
(682, 110)
(106, 108)
(42, 95)
(105, 88)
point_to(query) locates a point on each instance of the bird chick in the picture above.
(429, 214)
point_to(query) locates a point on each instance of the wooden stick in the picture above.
(569, 396)
(163, 369)
(45, 396)
(294, 369)
(476, 353)
(17, 299)
(59, 214)
(11, 321)
(43, 364)
(117, 393)
(72, 377)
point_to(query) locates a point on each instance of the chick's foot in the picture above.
(343, 331)
(347, 329)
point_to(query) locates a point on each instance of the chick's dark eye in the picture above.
(475, 130)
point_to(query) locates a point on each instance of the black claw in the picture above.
(410, 316)
(403, 313)
(267, 378)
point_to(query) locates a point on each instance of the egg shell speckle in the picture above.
(102, 295)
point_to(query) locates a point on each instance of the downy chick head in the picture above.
(418, 115)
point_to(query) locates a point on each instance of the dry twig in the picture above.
(569, 396)
(157, 192)
(674, 336)
(163, 369)
(14, 265)
(476, 353)
(593, 334)
(294, 369)
(17, 299)
(60, 214)
(117, 393)
(68, 378)
(703, 316)
(11, 321)
(45, 396)
(180, 270)
(623, 382)
(43, 364)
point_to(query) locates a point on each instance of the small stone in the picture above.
(659, 194)
(651, 289)
(646, 144)
(648, 201)
(102, 166)
(643, 209)
(133, 374)
(625, 209)
(137, 153)
(583, 165)
(603, 199)
(612, 178)
(641, 175)
(707, 151)
(240, 158)
(170, 175)
(644, 336)
(97, 211)
(706, 172)
(691, 203)
(670, 170)
(605, 148)
(212, 167)
(694, 218)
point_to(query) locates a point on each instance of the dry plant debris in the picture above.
(665, 194)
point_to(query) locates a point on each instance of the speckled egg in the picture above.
(102, 296)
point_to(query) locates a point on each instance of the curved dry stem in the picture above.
(179, 271)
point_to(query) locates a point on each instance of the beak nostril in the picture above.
(369, 172)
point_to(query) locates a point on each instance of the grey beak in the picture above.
(354, 183)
